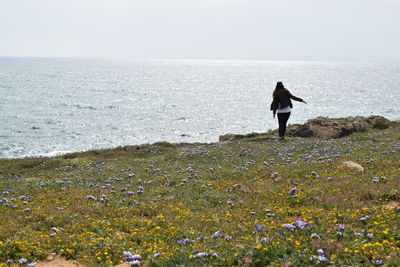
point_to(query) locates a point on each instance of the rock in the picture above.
(335, 128)
(320, 127)
(226, 137)
(352, 164)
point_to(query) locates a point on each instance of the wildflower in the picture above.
(270, 215)
(228, 237)
(129, 193)
(22, 261)
(330, 178)
(300, 224)
(230, 203)
(357, 234)
(137, 257)
(292, 191)
(185, 241)
(9, 261)
(52, 235)
(259, 228)
(104, 199)
(289, 226)
(252, 212)
(91, 197)
(140, 189)
(264, 240)
(341, 227)
(322, 259)
(375, 180)
(31, 265)
(27, 210)
(134, 263)
(315, 236)
(200, 255)
(128, 256)
(370, 236)
(377, 262)
(321, 252)
(55, 229)
(156, 255)
(217, 234)
(214, 255)
(365, 218)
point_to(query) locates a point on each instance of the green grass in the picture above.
(194, 190)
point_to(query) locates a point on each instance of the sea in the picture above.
(52, 106)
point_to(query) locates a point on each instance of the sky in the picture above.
(334, 30)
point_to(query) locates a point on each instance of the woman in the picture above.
(282, 104)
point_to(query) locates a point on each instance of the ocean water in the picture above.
(51, 106)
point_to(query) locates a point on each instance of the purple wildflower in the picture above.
(156, 255)
(140, 189)
(375, 180)
(365, 218)
(289, 227)
(230, 203)
(217, 235)
(377, 262)
(322, 259)
(31, 265)
(321, 252)
(300, 224)
(128, 256)
(90, 197)
(228, 237)
(52, 234)
(314, 235)
(22, 261)
(201, 255)
(341, 227)
(136, 257)
(270, 215)
(292, 191)
(259, 228)
(9, 261)
(357, 234)
(370, 236)
(214, 255)
(185, 241)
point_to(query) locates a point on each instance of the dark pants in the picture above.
(282, 119)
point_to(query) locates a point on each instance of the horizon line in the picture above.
(203, 59)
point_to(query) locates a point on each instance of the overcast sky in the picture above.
(202, 29)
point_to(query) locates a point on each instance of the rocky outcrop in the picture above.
(321, 127)
(334, 128)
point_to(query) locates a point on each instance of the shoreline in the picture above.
(269, 135)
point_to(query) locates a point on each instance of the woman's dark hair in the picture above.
(279, 86)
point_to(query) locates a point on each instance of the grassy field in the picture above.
(252, 202)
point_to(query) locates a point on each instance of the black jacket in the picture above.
(282, 99)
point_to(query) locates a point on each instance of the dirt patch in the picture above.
(59, 261)
(392, 205)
